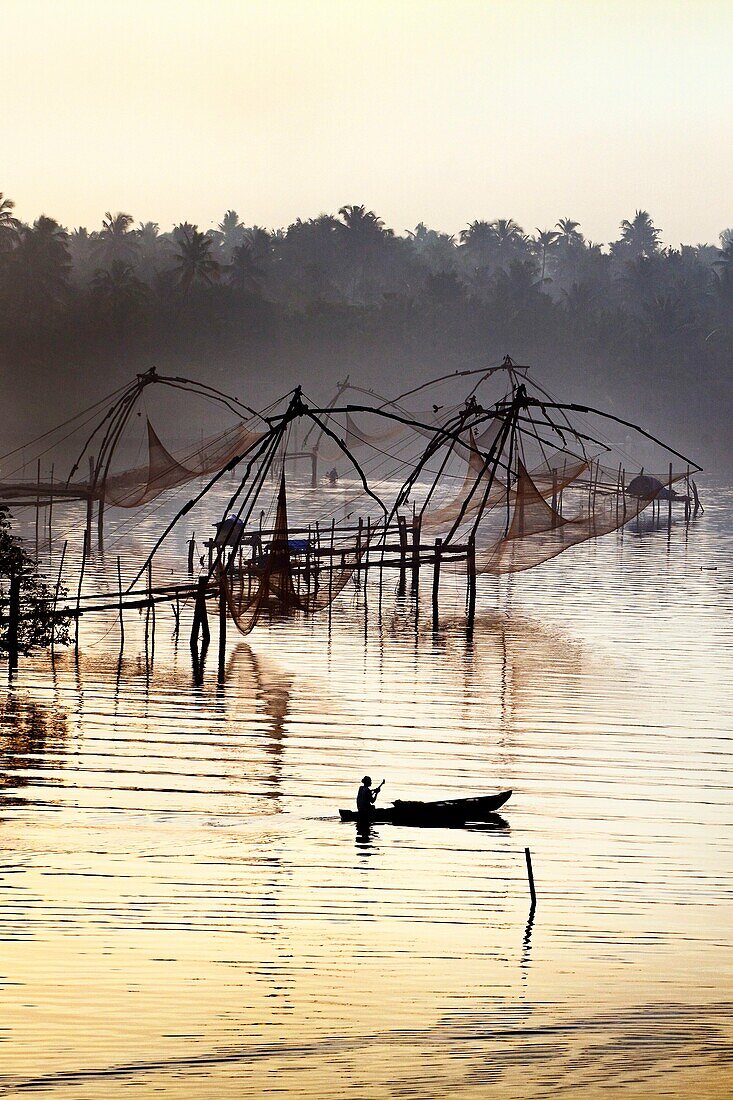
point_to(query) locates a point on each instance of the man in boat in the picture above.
(366, 797)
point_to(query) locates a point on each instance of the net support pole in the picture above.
(314, 469)
(100, 523)
(90, 501)
(50, 514)
(119, 591)
(200, 623)
(669, 503)
(191, 549)
(471, 580)
(436, 581)
(222, 624)
(38, 501)
(402, 529)
(415, 581)
(13, 621)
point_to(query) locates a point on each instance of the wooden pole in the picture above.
(78, 591)
(191, 549)
(13, 620)
(90, 502)
(222, 623)
(436, 581)
(200, 618)
(119, 589)
(669, 502)
(471, 571)
(56, 593)
(100, 523)
(530, 877)
(314, 469)
(50, 514)
(330, 572)
(416, 525)
(402, 528)
(38, 501)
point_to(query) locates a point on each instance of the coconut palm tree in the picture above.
(9, 225)
(193, 259)
(243, 272)
(639, 237)
(118, 292)
(41, 265)
(545, 239)
(228, 234)
(568, 232)
(115, 240)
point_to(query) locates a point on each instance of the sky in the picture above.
(440, 111)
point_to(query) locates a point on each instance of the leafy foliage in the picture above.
(37, 627)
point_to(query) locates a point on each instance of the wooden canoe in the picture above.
(449, 811)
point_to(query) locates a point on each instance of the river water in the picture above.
(183, 915)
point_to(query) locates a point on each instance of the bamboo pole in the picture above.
(38, 501)
(530, 877)
(436, 581)
(471, 572)
(50, 513)
(402, 528)
(78, 592)
(416, 525)
(56, 593)
(222, 624)
(191, 549)
(13, 621)
(119, 587)
(669, 503)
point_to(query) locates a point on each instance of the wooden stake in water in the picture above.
(436, 581)
(471, 571)
(78, 591)
(50, 513)
(530, 877)
(56, 593)
(119, 588)
(669, 502)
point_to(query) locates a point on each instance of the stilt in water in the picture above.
(119, 590)
(200, 623)
(13, 621)
(669, 504)
(78, 592)
(416, 525)
(56, 594)
(402, 528)
(50, 514)
(471, 579)
(191, 549)
(436, 581)
(222, 624)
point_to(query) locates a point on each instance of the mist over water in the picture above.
(183, 913)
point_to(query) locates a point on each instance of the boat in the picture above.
(446, 812)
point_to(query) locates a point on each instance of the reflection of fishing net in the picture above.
(162, 471)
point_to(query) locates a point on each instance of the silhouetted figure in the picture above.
(332, 475)
(366, 797)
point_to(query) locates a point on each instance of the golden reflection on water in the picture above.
(181, 912)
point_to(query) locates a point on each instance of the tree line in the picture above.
(347, 289)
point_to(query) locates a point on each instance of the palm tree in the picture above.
(545, 239)
(194, 262)
(42, 263)
(569, 234)
(119, 292)
(639, 236)
(9, 225)
(229, 233)
(365, 237)
(243, 272)
(115, 240)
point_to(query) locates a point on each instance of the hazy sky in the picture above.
(433, 110)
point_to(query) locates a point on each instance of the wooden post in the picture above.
(119, 589)
(366, 549)
(38, 501)
(415, 580)
(669, 502)
(402, 528)
(50, 514)
(471, 571)
(330, 572)
(623, 492)
(78, 591)
(191, 549)
(200, 618)
(357, 570)
(56, 593)
(13, 621)
(90, 502)
(530, 877)
(436, 581)
(314, 469)
(222, 623)
(100, 523)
